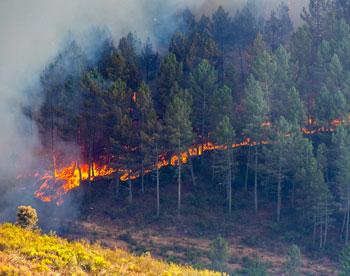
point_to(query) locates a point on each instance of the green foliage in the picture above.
(26, 217)
(293, 261)
(344, 260)
(219, 252)
(255, 267)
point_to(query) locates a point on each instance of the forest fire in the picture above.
(70, 177)
(67, 178)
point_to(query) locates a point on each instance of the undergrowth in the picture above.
(25, 252)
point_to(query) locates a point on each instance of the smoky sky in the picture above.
(32, 34)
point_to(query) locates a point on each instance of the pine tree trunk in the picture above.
(158, 199)
(314, 235)
(321, 232)
(229, 182)
(293, 193)
(92, 168)
(179, 184)
(343, 225)
(76, 159)
(80, 175)
(143, 177)
(348, 210)
(325, 227)
(92, 156)
(347, 228)
(279, 191)
(279, 200)
(256, 180)
(90, 153)
(130, 187)
(247, 171)
(202, 131)
(191, 167)
(52, 145)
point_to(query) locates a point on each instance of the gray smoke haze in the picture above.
(32, 34)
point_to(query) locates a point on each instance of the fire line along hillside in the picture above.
(225, 147)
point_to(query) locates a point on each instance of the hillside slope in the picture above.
(24, 252)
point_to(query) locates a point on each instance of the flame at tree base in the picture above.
(67, 178)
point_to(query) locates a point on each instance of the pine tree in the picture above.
(148, 60)
(277, 156)
(200, 49)
(284, 79)
(344, 260)
(232, 81)
(302, 150)
(179, 46)
(115, 102)
(256, 115)
(292, 108)
(255, 50)
(204, 27)
(115, 66)
(222, 105)
(147, 124)
(264, 69)
(171, 71)
(273, 31)
(178, 133)
(124, 134)
(245, 29)
(224, 160)
(303, 52)
(330, 107)
(335, 75)
(203, 84)
(91, 89)
(342, 9)
(294, 261)
(315, 17)
(286, 24)
(341, 141)
(222, 27)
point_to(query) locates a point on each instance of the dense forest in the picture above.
(252, 103)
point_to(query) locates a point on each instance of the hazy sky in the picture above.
(31, 35)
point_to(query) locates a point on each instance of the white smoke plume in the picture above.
(31, 35)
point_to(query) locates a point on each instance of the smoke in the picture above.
(34, 32)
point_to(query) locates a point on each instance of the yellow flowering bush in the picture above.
(26, 252)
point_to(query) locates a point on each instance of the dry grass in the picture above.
(24, 252)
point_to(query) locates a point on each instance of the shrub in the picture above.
(345, 261)
(293, 261)
(257, 267)
(219, 253)
(252, 240)
(30, 253)
(127, 237)
(26, 217)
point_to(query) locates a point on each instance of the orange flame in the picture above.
(68, 178)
